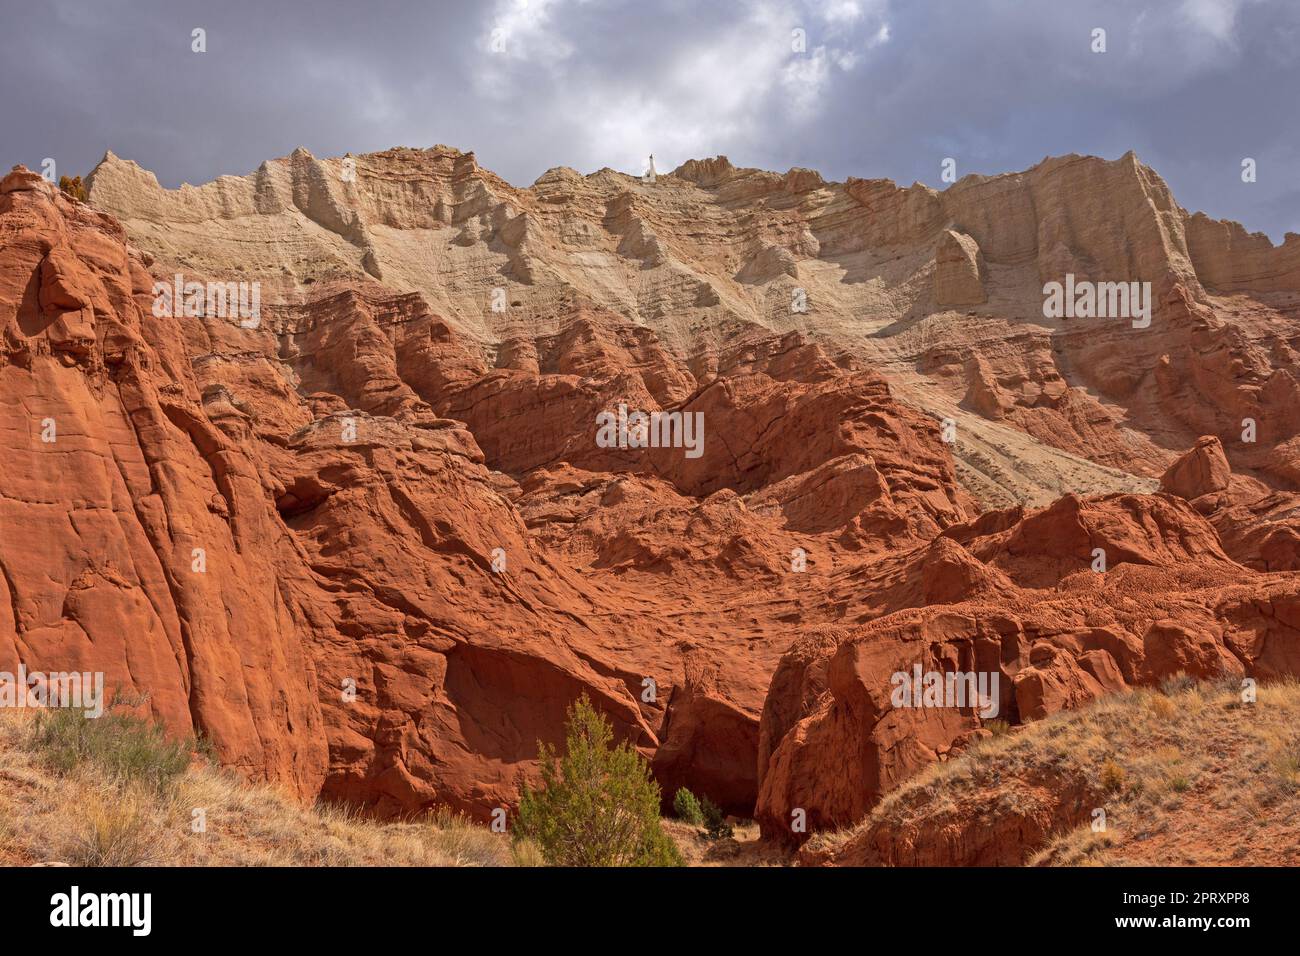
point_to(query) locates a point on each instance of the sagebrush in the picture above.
(598, 804)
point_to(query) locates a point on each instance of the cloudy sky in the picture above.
(850, 87)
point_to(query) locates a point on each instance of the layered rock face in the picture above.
(417, 613)
(1028, 609)
(373, 540)
(137, 539)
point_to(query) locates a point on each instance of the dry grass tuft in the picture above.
(117, 794)
(1112, 776)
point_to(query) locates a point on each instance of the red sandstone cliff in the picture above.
(414, 554)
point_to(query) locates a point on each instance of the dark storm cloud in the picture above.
(879, 88)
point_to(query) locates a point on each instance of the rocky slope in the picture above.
(1025, 602)
(368, 543)
(1180, 776)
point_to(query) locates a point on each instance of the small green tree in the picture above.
(715, 821)
(598, 806)
(687, 807)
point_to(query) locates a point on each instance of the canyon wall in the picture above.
(367, 544)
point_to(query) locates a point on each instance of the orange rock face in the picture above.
(1027, 604)
(373, 541)
(388, 612)
(138, 539)
(1202, 471)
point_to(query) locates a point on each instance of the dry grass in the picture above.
(742, 848)
(1188, 774)
(91, 812)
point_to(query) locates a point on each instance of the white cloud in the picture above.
(841, 11)
(526, 29)
(1218, 18)
(845, 59)
(804, 80)
(714, 91)
(717, 89)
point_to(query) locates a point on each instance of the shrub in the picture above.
(687, 808)
(1286, 762)
(598, 805)
(124, 747)
(1112, 776)
(1177, 683)
(997, 727)
(1163, 707)
(715, 821)
(73, 188)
